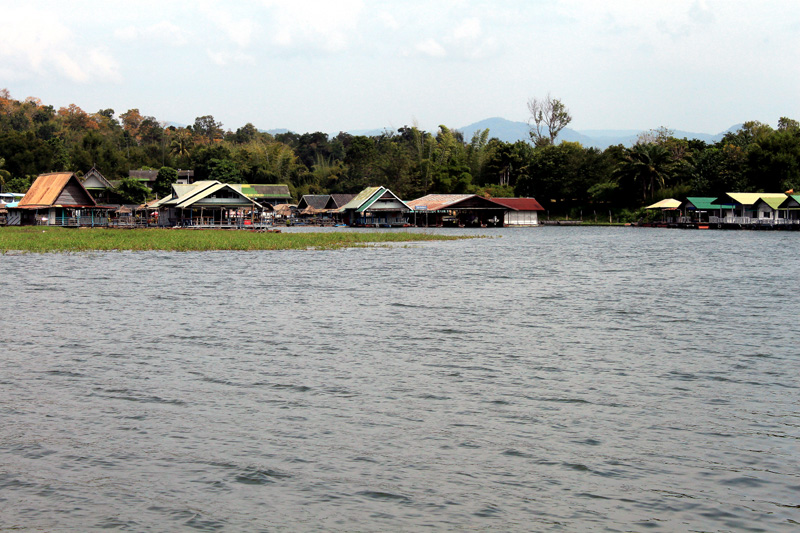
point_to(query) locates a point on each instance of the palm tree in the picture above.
(649, 166)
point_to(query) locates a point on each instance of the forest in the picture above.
(565, 177)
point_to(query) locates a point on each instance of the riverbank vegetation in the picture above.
(567, 178)
(38, 239)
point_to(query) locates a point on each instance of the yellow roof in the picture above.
(668, 203)
(749, 198)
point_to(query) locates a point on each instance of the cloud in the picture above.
(37, 44)
(225, 59)
(164, 33)
(429, 47)
(317, 24)
(238, 29)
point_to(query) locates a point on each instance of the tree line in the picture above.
(36, 138)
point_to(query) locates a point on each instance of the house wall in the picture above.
(521, 218)
(73, 194)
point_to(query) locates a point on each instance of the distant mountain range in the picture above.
(509, 131)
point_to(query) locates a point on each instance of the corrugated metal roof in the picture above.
(263, 190)
(750, 198)
(382, 195)
(339, 200)
(315, 201)
(196, 196)
(361, 198)
(519, 204)
(48, 187)
(436, 202)
(667, 203)
(706, 203)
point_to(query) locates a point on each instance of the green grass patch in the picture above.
(40, 239)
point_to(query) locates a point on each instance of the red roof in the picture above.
(520, 204)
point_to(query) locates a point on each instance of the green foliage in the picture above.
(163, 184)
(224, 171)
(132, 191)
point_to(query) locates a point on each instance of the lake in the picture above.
(556, 378)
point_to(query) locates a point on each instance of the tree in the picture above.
(647, 166)
(5, 175)
(132, 191)
(208, 128)
(163, 184)
(548, 117)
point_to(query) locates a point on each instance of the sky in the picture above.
(343, 65)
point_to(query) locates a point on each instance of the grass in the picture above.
(40, 239)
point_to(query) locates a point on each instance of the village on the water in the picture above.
(65, 199)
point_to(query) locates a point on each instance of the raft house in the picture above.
(730, 211)
(58, 199)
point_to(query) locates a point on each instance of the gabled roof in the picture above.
(57, 189)
(445, 202)
(667, 203)
(519, 204)
(370, 196)
(261, 190)
(436, 202)
(792, 201)
(185, 196)
(338, 200)
(705, 203)
(95, 175)
(361, 198)
(316, 201)
(750, 198)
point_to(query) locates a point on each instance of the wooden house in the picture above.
(791, 209)
(58, 199)
(375, 207)
(457, 210)
(207, 204)
(337, 201)
(101, 189)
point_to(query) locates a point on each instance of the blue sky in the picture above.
(693, 65)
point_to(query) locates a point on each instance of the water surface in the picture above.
(566, 379)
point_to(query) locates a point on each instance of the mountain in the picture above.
(510, 131)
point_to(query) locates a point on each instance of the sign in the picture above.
(420, 208)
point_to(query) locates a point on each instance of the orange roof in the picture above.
(47, 188)
(435, 202)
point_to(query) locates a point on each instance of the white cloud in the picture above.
(430, 47)
(318, 24)
(226, 59)
(163, 32)
(37, 44)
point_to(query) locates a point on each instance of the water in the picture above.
(560, 379)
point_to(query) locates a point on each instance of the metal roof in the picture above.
(48, 187)
(263, 190)
(750, 198)
(667, 203)
(519, 204)
(361, 198)
(437, 202)
(316, 201)
(706, 203)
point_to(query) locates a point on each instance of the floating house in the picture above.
(791, 208)
(702, 208)
(58, 199)
(375, 206)
(337, 201)
(458, 210)
(266, 193)
(101, 189)
(521, 211)
(753, 208)
(313, 201)
(208, 204)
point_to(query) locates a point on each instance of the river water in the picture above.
(557, 379)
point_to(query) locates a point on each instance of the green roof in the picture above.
(706, 203)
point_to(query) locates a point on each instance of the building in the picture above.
(266, 194)
(376, 207)
(208, 204)
(521, 211)
(58, 199)
(457, 210)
